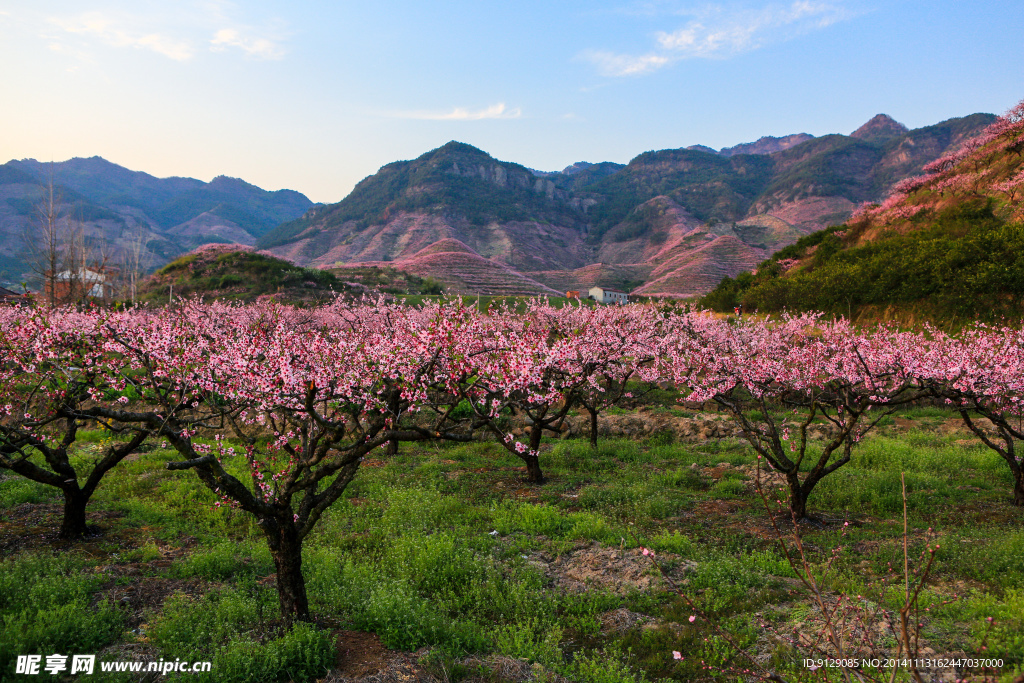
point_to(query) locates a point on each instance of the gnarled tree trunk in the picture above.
(534, 475)
(286, 549)
(73, 524)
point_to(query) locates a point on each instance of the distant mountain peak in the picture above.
(578, 167)
(169, 215)
(456, 147)
(767, 144)
(678, 218)
(880, 127)
(225, 182)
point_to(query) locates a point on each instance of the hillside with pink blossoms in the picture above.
(943, 245)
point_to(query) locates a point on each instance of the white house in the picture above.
(608, 296)
(70, 285)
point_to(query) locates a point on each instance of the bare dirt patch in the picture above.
(400, 667)
(34, 526)
(864, 629)
(362, 658)
(956, 426)
(360, 655)
(622, 619)
(143, 594)
(595, 566)
(717, 508)
(518, 488)
(133, 652)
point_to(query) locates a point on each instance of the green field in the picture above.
(441, 563)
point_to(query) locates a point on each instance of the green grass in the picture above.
(218, 628)
(445, 548)
(14, 491)
(46, 607)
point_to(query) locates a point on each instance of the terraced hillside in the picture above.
(463, 271)
(694, 272)
(622, 277)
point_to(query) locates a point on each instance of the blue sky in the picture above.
(314, 96)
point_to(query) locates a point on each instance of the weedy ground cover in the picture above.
(446, 553)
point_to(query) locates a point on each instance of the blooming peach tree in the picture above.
(980, 373)
(297, 401)
(777, 377)
(51, 364)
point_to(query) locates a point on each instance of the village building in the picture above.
(85, 283)
(607, 296)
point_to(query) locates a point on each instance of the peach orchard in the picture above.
(303, 396)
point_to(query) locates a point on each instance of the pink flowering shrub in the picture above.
(217, 249)
(1011, 186)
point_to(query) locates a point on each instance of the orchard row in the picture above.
(302, 396)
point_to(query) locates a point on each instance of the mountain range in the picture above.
(118, 209)
(672, 222)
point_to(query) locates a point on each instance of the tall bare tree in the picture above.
(133, 263)
(74, 280)
(44, 239)
(60, 256)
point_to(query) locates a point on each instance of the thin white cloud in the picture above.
(254, 46)
(719, 32)
(611, 64)
(724, 35)
(116, 34)
(495, 111)
(177, 37)
(177, 50)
